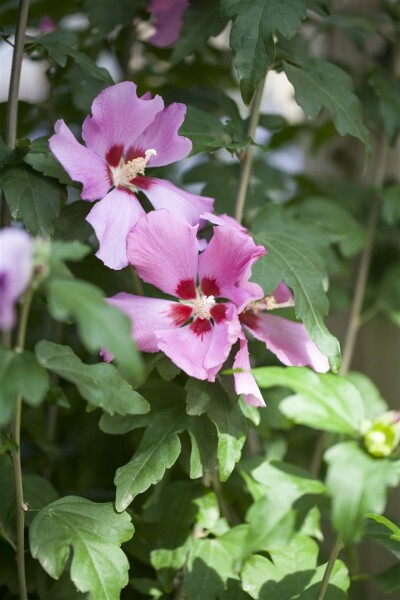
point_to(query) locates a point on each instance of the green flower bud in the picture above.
(382, 436)
(41, 260)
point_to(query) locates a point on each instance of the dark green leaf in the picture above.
(101, 385)
(381, 530)
(94, 533)
(389, 580)
(100, 325)
(201, 20)
(388, 91)
(33, 198)
(205, 131)
(358, 484)
(254, 24)
(391, 203)
(41, 159)
(318, 84)
(203, 436)
(323, 401)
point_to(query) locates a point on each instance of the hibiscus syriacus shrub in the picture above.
(189, 190)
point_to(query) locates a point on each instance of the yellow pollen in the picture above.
(123, 174)
(202, 306)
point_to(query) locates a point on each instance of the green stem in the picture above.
(247, 163)
(12, 105)
(16, 456)
(329, 567)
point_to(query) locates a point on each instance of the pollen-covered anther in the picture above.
(124, 174)
(202, 306)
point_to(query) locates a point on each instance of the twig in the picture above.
(248, 156)
(12, 105)
(16, 456)
(329, 567)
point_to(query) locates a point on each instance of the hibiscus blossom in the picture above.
(15, 272)
(168, 15)
(198, 328)
(123, 135)
(215, 302)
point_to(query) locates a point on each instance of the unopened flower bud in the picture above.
(382, 436)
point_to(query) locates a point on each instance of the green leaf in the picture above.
(201, 21)
(381, 530)
(20, 375)
(389, 293)
(208, 569)
(319, 84)
(389, 580)
(391, 203)
(358, 484)
(198, 395)
(373, 402)
(254, 24)
(205, 131)
(322, 400)
(388, 91)
(292, 572)
(204, 440)
(158, 450)
(296, 262)
(101, 385)
(94, 533)
(42, 159)
(100, 325)
(59, 45)
(33, 198)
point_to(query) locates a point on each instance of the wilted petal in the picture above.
(81, 164)
(147, 316)
(163, 194)
(118, 118)
(112, 219)
(164, 251)
(225, 265)
(289, 341)
(162, 136)
(168, 20)
(244, 382)
(15, 271)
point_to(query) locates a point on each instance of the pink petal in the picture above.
(112, 219)
(147, 315)
(15, 271)
(162, 136)
(289, 341)
(164, 251)
(226, 262)
(282, 293)
(163, 194)
(244, 382)
(118, 118)
(168, 21)
(81, 164)
(200, 355)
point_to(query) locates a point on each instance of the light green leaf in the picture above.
(200, 21)
(323, 401)
(20, 374)
(33, 198)
(94, 533)
(358, 484)
(373, 402)
(303, 270)
(100, 325)
(319, 84)
(158, 450)
(101, 385)
(292, 573)
(254, 24)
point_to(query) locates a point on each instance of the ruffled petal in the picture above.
(244, 381)
(226, 265)
(164, 251)
(15, 271)
(162, 136)
(112, 219)
(147, 316)
(118, 118)
(81, 164)
(168, 21)
(289, 341)
(200, 355)
(163, 194)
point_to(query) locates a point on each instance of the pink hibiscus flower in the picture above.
(123, 135)
(215, 302)
(168, 15)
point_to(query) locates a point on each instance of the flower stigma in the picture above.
(202, 306)
(126, 171)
